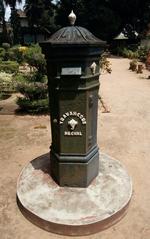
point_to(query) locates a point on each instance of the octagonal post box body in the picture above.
(72, 56)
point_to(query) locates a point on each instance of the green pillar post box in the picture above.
(72, 56)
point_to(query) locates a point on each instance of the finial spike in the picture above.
(72, 18)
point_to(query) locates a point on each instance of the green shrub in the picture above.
(6, 45)
(9, 66)
(35, 77)
(31, 55)
(33, 85)
(14, 54)
(33, 91)
(7, 84)
(34, 107)
(143, 53)
(25, 78)
(130, 54)
(2, 53)
(31, 77)
(127, 53)
(35, 94)
(38, 77)
(34, 57)
(20, 78)
(5, 77)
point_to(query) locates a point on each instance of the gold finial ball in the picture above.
(72, 18)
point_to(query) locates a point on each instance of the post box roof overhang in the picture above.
(75, 39)
(74, 35)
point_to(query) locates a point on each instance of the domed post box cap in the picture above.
(72, 36)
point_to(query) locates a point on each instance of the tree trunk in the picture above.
(4, 36)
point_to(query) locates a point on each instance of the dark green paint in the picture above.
(74, 159)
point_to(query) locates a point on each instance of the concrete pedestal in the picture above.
(74, 211)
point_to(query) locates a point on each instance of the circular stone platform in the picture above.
(74, 211)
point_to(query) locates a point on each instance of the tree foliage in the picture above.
(14, 19)
(2, 11)
(3, 22)
(41, 14)
(14, 36)
(107, 18)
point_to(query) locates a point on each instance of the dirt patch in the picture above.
(8, 106)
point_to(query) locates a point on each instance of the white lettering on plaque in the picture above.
(72, 113)
(71, 71)
(70, 133)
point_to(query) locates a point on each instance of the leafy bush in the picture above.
(20, 78)
(36, 77)
(34, 106)
(34, 57)
(35, 94)
(32, 84)
(25, 78)
(6, 45)
(9, 66)
(143, 53)
(130, 54)
(5, 77)
(127, 53)
(2, 53)
(33, 91)
(7, 84)
(14, 54)
(140, 53)
(31, 77)
(31, 55)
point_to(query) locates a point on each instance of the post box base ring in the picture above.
(74, 211)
